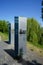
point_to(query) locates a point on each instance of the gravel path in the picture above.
(7, 56)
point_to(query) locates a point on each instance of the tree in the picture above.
(33, 30)
(4, 26)
(41, 36)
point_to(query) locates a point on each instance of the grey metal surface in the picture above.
(12, 37)
(22, 42)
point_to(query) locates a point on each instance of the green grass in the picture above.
(4, 36)
(36, 48)
(37, 45)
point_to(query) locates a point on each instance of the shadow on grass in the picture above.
(21, 60)
(5, 64)
(24, 62)
(7, 42)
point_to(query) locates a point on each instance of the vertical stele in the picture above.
(42, 10)
(9, 30)
(20, 35)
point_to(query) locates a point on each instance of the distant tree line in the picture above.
(4, 26)
(34, 31)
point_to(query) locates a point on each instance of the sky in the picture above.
(27, 8)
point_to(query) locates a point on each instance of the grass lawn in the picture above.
(4, 36)
(36, 49)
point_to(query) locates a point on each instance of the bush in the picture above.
(33, 37)
(4, 26)
(34, 31)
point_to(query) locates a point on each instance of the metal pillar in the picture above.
(20, 36)
(9, 33)
(16, 36)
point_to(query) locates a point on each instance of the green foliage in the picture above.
(4, 26)
(41, 36)
(34, 31)
(33, 37)
(4, 36)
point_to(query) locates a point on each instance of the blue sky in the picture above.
(26, 8)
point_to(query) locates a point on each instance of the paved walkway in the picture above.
(7, 56)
